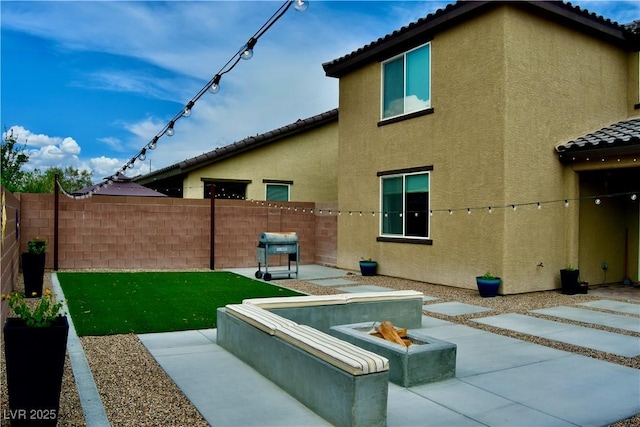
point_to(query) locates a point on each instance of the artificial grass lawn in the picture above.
(142, 302)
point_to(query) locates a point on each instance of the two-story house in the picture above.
(492, 136)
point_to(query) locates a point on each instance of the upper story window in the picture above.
(406, 82)
(278, 191)
(405, 203)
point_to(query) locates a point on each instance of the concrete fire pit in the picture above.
(427, 360)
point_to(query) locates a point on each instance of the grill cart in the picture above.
(277, 244)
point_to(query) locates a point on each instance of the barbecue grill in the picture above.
(277, 244)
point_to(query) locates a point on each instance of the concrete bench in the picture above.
(341, 382)
(403, 308)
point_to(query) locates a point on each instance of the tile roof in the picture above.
(388, 45)
(623, 136)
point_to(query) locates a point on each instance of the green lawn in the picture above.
(121, 303)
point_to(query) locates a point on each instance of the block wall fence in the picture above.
(10, 255)
(109, 232)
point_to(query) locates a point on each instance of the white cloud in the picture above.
(103, 166)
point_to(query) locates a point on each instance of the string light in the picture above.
(170, 131)
(187, 109)
(213, 86)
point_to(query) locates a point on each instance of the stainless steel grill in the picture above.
(277, 244)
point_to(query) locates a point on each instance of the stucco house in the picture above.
(296, 162)
(492, 136)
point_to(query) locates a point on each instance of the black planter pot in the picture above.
(569, 281)
(33, 272)
(488, 287)
(35, 365)
(368, 268)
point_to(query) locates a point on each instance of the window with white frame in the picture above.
(404, 199)
(278, 192)
(406, 82)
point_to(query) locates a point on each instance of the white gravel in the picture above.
(136, 391)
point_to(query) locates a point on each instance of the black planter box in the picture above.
(35, 364)
(569, 280)
(33, 272)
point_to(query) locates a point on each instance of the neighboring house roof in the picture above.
(122, 186)
(249, 143)
(617, 139)
(627, 36)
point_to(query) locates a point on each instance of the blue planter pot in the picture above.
(368, 268)
(488, 287)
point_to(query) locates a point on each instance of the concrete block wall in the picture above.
(108, 232)
(239, 224)
(10, 254)
(326, 233)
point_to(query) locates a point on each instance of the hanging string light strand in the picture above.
(213, 86)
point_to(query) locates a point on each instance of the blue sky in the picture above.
(89, 83)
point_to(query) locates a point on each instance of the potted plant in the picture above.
(33, 267)
(569, 280)
(368, 267)
(488, 285)
(35, 344)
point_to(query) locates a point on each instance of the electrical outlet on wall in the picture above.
(604, 265)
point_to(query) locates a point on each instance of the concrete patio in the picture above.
(499, 380)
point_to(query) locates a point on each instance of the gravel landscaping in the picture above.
(136, 392)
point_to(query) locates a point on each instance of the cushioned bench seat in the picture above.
(316, 300)
(341, 382)
(341, 354)
(299, 301)
(261, 319)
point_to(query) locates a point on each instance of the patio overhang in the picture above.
(616, 145)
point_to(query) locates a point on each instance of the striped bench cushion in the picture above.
(346, 356)
(382, 296)
(300, 301)
(261, 319)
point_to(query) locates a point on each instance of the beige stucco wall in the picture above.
(507, 87)
(308, 159)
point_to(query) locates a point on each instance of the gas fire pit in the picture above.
(426, 360)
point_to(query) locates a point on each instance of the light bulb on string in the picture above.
(300, 5)
(634, 197)
(246, 52)
(143, 155)
(566, 203)
(170, 131)
(598, 201)
(215, 85)
(187, 109)
(154, 142)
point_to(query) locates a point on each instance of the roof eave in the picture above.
(402, 39)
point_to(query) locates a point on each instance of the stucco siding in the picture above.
(462, 140)
(560, 83)
(507, 87)
(308, 159)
